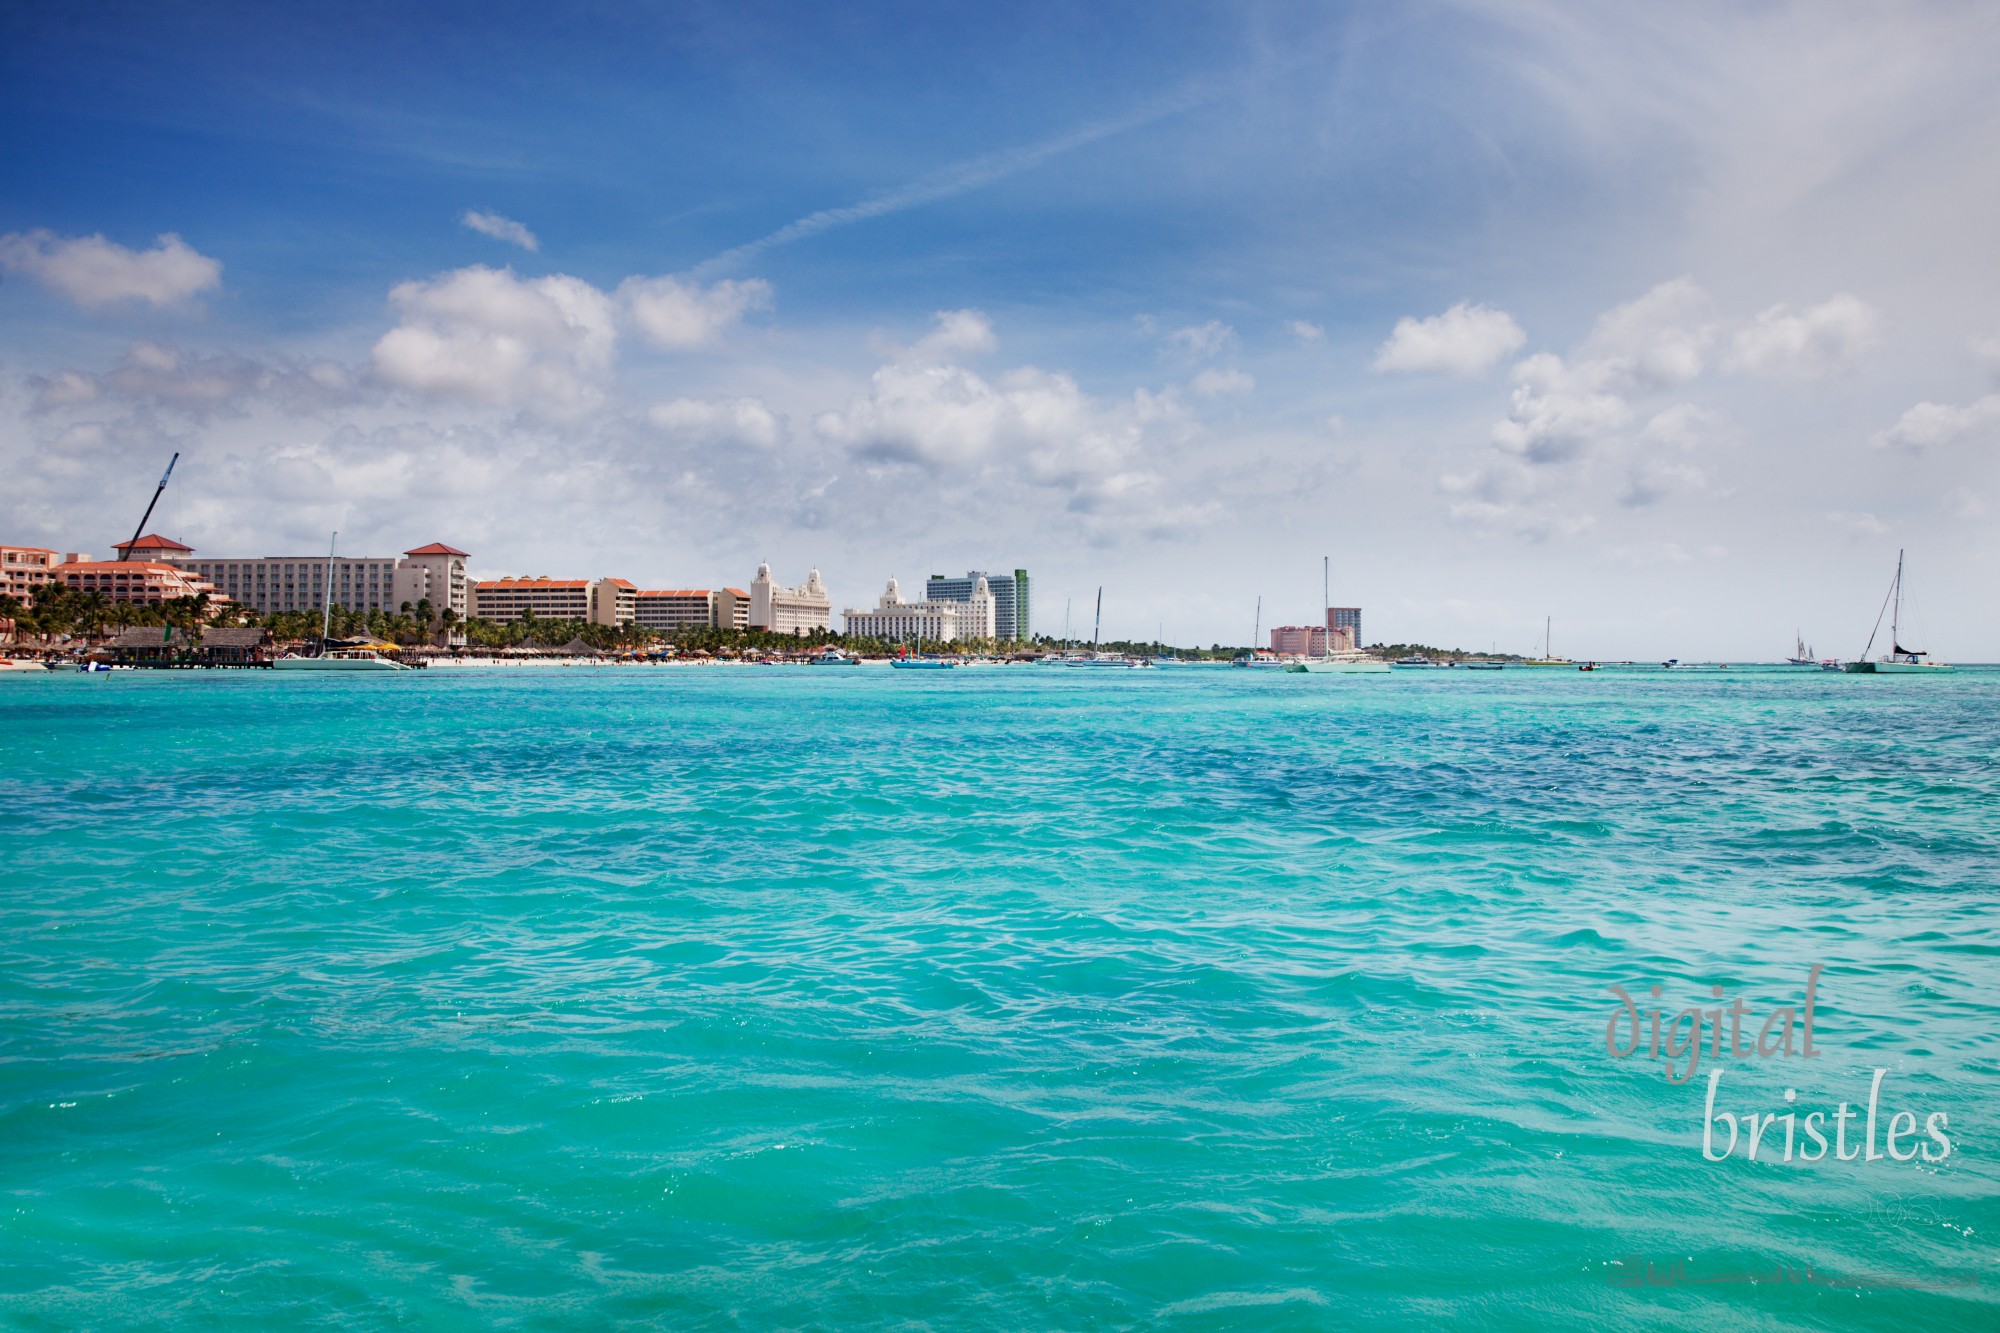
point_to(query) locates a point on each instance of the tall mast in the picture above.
(149, 508)
(1896, 616)
(326, 617)
(1097, 625)
(1066, 606)
(1548, 637)
(1326, 605)
(1257, 625)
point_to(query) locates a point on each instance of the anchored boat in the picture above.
(1898, 660)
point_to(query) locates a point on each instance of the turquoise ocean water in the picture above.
(1008, 999)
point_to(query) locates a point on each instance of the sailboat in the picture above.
(1898, 660)
(1548, 657)
(334, 659)
(1346, 661)
(1095, 657)
(1801, 654)
(1258, 657)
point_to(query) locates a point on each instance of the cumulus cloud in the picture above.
(1929, 424)
(65, 388)
(1654, 342)
(1465, 340)
(91, 271)
(958, 333)
(1683, 426)
(161, 376)
(1305, 330)
(1213, 383)
(677, 315)
(1199, 342)
(487, 336)
(500, 229)
(1824, 338)
(1556, 410)
(719, 420)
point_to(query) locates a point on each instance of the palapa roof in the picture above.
(149, 636)
(578, 648)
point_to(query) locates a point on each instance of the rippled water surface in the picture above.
(1008, 998)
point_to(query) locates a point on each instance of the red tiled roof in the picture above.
(125, 566)
(673, 592)
(534, 583)
(736, 592)
(153, 541)
(35, 550)
(436, 548)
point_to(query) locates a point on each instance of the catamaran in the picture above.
(336, 659)
(1348, 661)
(1898, 660)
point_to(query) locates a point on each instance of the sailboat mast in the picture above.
(326, 617)
(1257, 625)
(1097, 625)
(1896, 616)
(1326, 605)
(1548, 637)
(164, 479)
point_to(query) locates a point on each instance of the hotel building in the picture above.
(668, 610)
(274, 583)
(936, 620)
(783, 610)
(1345, 622)
(144, 582)
(1011, 621)
(599, 601)
(22, 568)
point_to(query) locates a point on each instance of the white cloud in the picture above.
(1198, 342)
(1653, 482)
(1827, 337)
(92, 271)
(677, 315)
(1558, 410)
(1213, 383)
(487, 336)
(1683, 426)
(65, 388)
(719, 420)
(1305, 330)
(958, 333)
(500, 229)
(1654, 342)
(1465, 340)
(1929, 424)
(1986, 352)
(1964, 502)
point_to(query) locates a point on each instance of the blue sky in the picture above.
(1673, 326)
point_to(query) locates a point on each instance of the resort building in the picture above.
(273, 583)
(1011, 622)
(783, 610)
(599, 601)
(1302, 640)
(143, 582)
(671, 609)
(1345, 622)
(732, 608)
(934, 621)
(22, 568)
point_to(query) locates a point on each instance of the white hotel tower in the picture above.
(936, 622)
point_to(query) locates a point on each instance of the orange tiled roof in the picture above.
(153, 541)
(435, 548)
(673, 592)
(534, 583)
(620, 583)
(736, 592)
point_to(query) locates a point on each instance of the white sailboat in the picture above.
(1898, 660)
(1095, 657)
(335, 659)
(1346, 661)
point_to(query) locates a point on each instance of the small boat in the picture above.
(1413, 660)
(831, 656)
(1261, 657)
(1548, 657)
(1485, 666)
(1095, 658)
(1898, 661)
(923, 664)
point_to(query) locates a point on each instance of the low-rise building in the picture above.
(1302, 640)
(145, 582)
(671, 609)
(24, 568)
(783, 610)
(933, 621)
(599, 601)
